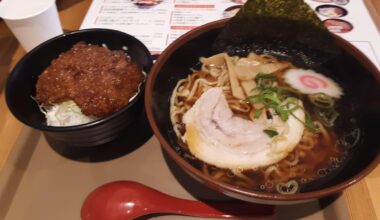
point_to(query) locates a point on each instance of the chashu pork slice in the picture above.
(218, 137)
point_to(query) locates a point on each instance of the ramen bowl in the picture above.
(360, 78)
(21, 87)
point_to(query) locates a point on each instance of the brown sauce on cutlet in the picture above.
(98, 80)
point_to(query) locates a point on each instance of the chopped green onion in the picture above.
(265, 83)
(292, 100)
(270, 133)
(271, 97)
(309, 124)
(280, 100)
(258, 113)
(321, 100)
(266, 76)
(254, 99)
(289, 105)
(283, 114)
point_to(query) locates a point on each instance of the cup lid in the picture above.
(22, 9)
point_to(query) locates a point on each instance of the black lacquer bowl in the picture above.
(362, 92)
(21, 87)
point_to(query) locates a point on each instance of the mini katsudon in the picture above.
(86, 83)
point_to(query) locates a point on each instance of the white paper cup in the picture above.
(31, 21)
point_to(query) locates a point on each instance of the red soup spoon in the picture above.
(122, 200)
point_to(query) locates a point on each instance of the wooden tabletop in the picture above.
(363, 199)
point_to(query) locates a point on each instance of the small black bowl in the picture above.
(21, 87)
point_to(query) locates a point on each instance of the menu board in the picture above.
(350, 20)
(157, 23)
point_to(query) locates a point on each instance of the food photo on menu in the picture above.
(341, 2)
(338, 25)
(147, 2)
(331, 11)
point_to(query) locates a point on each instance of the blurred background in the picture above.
(71, 13)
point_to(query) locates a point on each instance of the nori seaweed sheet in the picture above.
(288, 29)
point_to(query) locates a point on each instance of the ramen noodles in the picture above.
(257, 122)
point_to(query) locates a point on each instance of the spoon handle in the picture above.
(122, 200)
